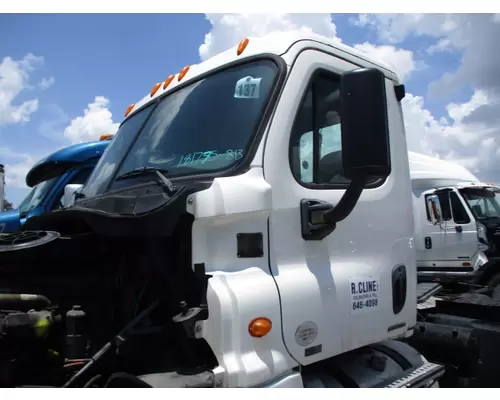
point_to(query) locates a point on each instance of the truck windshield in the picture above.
(36, 196)
(204, 127)
(484, 203)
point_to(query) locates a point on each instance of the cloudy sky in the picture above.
(68, 78)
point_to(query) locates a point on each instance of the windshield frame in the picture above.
(496, 205)
(253, 141)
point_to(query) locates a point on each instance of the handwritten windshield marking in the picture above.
(200, 158)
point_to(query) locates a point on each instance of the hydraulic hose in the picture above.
(10, 301)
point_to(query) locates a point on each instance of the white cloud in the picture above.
(400, 60)
(45, 83)
(459, 111)
(473, 145)
(14, 77)
(17, 167)
(394, 28)
(97, 120)
(229, 29)
(443, 44)
(474, 135)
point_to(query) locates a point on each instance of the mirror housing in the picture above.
(366, 153)
(69, 194)
(364, 127)
(434, 209)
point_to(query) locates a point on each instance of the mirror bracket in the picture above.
(347, 202)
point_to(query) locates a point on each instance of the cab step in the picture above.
(416, 377)
(425, 290)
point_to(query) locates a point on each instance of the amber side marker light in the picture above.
(259, 327)
(242, 46)
(129, 109)
(183, 73)
(168, 81)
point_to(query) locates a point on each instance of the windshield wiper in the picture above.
(147, 170)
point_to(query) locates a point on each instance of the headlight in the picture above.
(482, 238)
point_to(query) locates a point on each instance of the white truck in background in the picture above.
(449, 251)
(461, 245)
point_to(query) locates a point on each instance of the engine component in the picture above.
(30, 325)
(116, 342)
(10, 301)
(76, 341)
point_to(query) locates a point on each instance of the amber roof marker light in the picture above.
(105, 137)
(168, 81)
(260, 327)
(155, 89)
(183, 73)
(129, 109)
(242, 46)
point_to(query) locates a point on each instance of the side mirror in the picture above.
(365, 136)
(364, 127)
(434, 209)
(69, 194)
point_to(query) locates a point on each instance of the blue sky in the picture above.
(120, 57)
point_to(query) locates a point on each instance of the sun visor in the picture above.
(46, 170)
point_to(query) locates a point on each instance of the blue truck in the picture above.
(48, 178)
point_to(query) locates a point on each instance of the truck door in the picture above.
(336, 291)
(461, 240)
(430, 239)
(448, 245)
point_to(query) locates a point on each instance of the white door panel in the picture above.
(314, 278)
(452, 242)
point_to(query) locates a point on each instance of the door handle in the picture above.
(313, 225)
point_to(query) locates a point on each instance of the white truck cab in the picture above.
(455, 246)
(277, 173)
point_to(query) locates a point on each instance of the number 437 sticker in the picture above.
(247, 88)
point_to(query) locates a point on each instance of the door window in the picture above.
(444, 201)
(316, 145)
(451, 208)
(460, 215)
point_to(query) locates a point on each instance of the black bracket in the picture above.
(313, 225)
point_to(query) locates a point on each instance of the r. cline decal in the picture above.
(364, 294)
